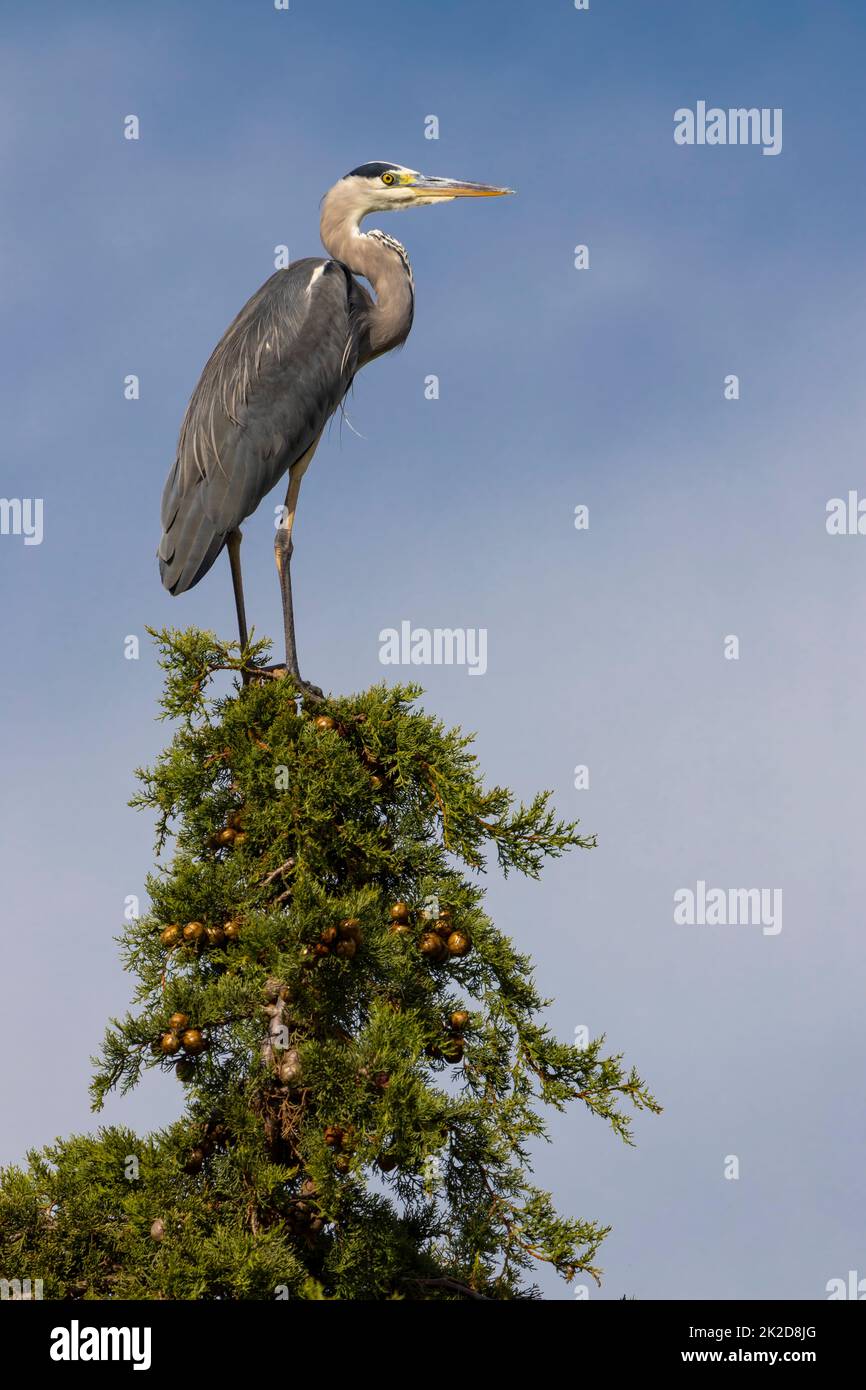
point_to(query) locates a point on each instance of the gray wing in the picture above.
(276, 376)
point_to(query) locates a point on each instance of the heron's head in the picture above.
(381, 187)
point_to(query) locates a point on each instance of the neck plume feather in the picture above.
(379, 259)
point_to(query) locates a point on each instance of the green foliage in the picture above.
(344, 1136)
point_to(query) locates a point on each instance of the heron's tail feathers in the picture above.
(187, 550)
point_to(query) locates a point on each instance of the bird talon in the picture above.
(312, 692)
(282, 672)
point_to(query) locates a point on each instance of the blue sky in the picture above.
(557, 388)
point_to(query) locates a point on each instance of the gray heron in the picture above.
(280, 371)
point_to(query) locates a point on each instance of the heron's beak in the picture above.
(430, 187)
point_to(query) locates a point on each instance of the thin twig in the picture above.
(275, 873)
(448, 1284)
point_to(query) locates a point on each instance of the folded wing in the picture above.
(277, 375)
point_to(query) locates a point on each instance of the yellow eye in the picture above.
(388, 178)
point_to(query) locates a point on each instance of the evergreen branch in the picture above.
(444, 1283)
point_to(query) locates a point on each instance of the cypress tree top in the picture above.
(361, 1052)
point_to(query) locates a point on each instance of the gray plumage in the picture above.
(264, 397)
(280, 371)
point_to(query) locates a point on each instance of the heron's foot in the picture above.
(281, 672)
(312, 692)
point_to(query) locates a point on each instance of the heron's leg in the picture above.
(283, 547)
(233, 546)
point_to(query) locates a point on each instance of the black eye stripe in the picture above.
(372, 171)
